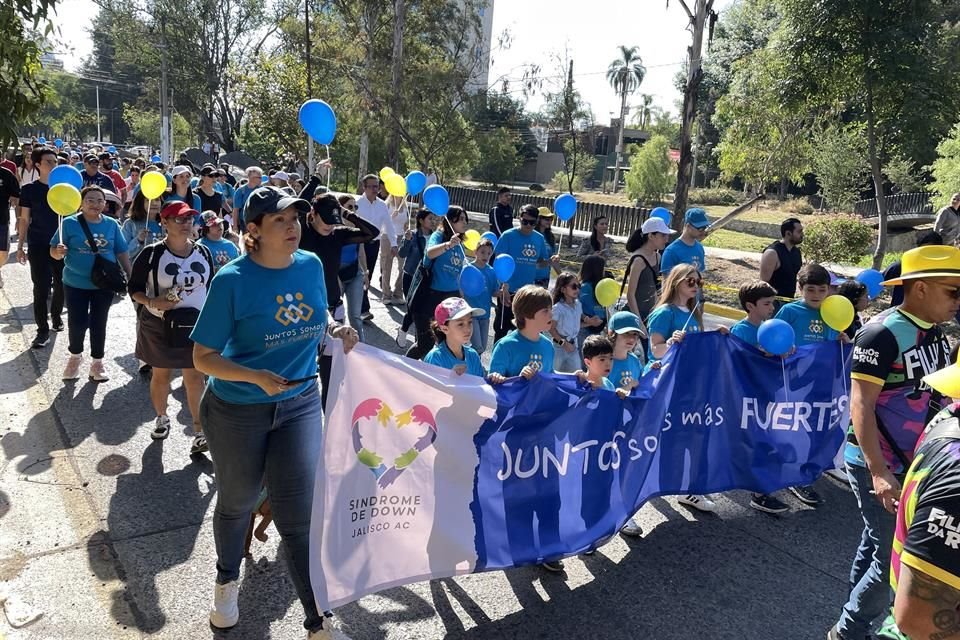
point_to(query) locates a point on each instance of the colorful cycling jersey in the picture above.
(927, 537)
(896, 350)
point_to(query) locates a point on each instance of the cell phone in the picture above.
(302, 380)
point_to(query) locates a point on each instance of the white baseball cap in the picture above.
(656, 225)
(177, 170)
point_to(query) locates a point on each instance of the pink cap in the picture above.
(454, 309)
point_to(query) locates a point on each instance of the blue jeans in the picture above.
(353, 299)
(564, 362)
(870, 593)
(481, 331)
(87, 309)
(273, 442)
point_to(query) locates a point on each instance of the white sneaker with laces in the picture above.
(72, 370)
(225, 612)
(701, 503)
(330, 631)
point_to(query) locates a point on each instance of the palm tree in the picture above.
(646, 102)
(625, 75)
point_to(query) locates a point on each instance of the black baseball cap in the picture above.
(266, 200)
(328, 208)
(209, 170)
(91, 157)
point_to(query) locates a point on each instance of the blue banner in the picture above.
(562, 467)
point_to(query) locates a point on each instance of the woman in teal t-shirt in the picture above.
(445, 258)
(257, 338)
(87, 306)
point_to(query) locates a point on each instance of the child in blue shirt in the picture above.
(452, 326)
(678, 312)
(525, 351)
(624, 332)
(598, 358)
(483, 300)
(804, 314)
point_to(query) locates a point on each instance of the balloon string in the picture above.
(783, 368)
(329, 167)
(690, 317)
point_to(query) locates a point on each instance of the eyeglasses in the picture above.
(526, 222)
(693, 282)
(953, 292)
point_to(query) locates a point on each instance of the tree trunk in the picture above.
(877, 178)
(782, 193)
(393, 149)
(623, 122)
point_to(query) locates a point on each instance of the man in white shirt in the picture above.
(376, 212)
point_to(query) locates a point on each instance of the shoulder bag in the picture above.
(105, 274)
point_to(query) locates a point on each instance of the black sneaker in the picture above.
(631, 529)
(57, 325)
(807, 495)
(554, 566)
(42, 340)
(767, 504)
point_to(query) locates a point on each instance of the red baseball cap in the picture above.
(177, 210)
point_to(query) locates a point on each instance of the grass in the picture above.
(725, 239)
(866, 262)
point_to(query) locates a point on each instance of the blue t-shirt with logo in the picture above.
(679, 252)
(746, 331)
(668, 318)
(264, 318)
(441, 356)
(483, 299)
(526, 252)
(625, 371)
(79, 259)
(807, 323)
(223, 251)
(514, 352)
(543, 273)
(446, 267)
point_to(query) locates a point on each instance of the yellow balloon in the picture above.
(386, 172)
(64, 199)
(153, 184)
(471, 238)
(396, 185)
(837, 312)
(607, 292)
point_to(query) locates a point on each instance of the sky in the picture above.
(541, 31)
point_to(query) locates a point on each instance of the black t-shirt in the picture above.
(43, 221)
(9, 188)
(209, 203)
(328, 248)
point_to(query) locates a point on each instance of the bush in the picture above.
(799, 206)
(652, 173)
(713, 195)
(837, 238)
(559, 182)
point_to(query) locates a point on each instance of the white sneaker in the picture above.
(701, 503)
(330, 631)
(97, 372)
(402, 341)
(225, 612)
(72, 370)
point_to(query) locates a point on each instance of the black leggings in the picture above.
(422, 317)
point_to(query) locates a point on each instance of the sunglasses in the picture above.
(526, 222)
(181, 219)
(693, 282)
(350, 207)
(574, 285)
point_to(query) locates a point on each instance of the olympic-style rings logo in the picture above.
(292, 309)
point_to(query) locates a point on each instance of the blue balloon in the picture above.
(472, 282)
(504, 266)
(58, 142)
(663, 213)
(565, 206)
(872, 279)
(155, 159)
(111, 149)
(318, 120)
(42, 140)
(416, 181)
(776, 337)
(491, 236)
(436, 199)
(65, 174)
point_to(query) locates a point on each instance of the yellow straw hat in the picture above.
(928, 262)
(545, 212)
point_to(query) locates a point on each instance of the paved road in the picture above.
(108, 534)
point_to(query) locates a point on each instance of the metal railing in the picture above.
(622, 220)
(900, 204)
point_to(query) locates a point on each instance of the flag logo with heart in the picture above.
(406, 434)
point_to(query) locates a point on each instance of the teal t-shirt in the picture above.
(526, 252)
(483, 300)
(668, 318)
(441, 356)
(223, 251)
(679, 252)
(588, 301)
(625, 371)
(79, 259)
(265, 318)
(608, 385)
(446, 267)
(543, 273)
(746, 331)
(807, 323)
(514, 352)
